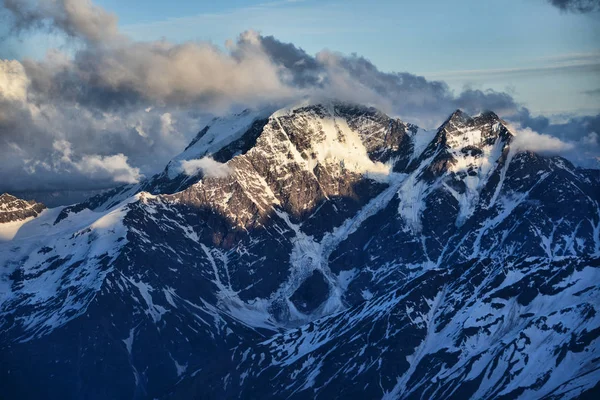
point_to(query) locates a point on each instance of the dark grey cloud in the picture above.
(355, 78)
(593, 92)
(581, 132)
(578, 6)
(57, 146)
(117, 110)
(76, 18)
(109, 75)
(575, 128)
(538, 123)
(304, 69)
(199, 74)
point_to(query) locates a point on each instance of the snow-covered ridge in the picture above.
(460, 160)
(14, 213)
(9, 203)
(72, 256)
(330, 141)
(337, 251)
(317, 146)
(219, 133)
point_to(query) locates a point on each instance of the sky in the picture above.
(106, 92)
(545, 57)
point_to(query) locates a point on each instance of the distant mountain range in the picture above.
(316, 251)
(56, 198)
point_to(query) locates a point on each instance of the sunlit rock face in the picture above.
(315, 251)
(13, 209)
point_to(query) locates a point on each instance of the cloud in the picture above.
(578, 6)
(591, 139)
(355, 78)
(109, 74)
(572, 67)
(161, 73)
(29, 128)
(527, 139)
(593, 92)
(125, 107)
(13, 81)
(575, 138)
(305, 70)
(571, 129)
(209, 167)
(573, 64)
(77, 18)
(114, 168)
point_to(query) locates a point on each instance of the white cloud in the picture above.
(64, 149)
(209, 167)
(591, 139)
(166, 124)
(527, 139)
(113, 167)
(13, 81)
(77, 18)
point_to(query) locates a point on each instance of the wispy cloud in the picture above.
(300, 17)
(590, 56)
(560, 64)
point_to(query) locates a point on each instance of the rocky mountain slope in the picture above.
(317, 251)
(14, 212)
(13, 209)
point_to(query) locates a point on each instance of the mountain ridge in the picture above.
(324, 220)
(13, 209)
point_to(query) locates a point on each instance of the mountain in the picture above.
(57, 198)
(15, 212)
(315, 251)
(13, 209)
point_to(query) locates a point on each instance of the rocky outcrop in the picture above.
(13, 209)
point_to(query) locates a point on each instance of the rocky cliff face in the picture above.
(321, 250)
(13, 209)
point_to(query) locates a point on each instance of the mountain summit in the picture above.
(315, 251)
(13, 209)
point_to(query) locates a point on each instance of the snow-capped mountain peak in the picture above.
(334, 250)
(15, 212)
(13, 209)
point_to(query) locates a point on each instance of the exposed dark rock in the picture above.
(13, 209)
(336, 255)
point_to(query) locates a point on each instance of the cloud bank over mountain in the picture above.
(123, 108)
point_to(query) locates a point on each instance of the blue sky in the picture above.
(547, 59)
